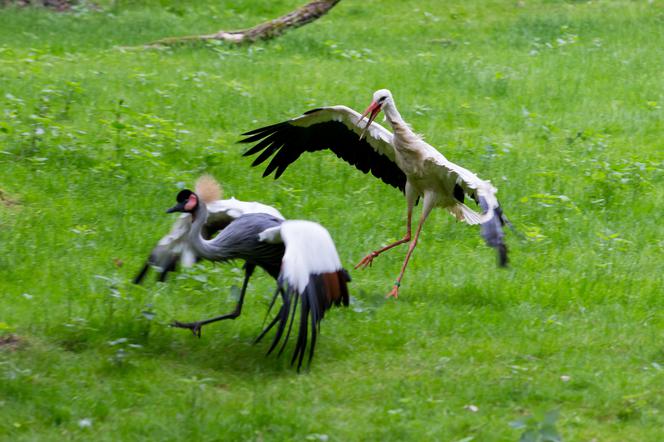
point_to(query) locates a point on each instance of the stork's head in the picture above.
(381, 98)
(187, 202)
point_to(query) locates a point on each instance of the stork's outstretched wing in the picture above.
(311, 277)
(334, 128)
(466, 183)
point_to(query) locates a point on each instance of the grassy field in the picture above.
(558, 103)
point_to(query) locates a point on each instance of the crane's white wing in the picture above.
(229, 209)
(309, 251)
(311, 272)
(335, 128)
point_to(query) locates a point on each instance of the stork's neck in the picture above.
(399, 126)
(202, 246)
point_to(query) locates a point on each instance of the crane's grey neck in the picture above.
(202, 246)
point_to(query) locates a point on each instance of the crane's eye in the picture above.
(381, 99)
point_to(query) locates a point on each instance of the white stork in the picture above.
(401, 159)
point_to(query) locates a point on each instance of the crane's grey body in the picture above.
(240, 240)
(299, 255)
(174, 249)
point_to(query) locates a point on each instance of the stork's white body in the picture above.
(431, 175)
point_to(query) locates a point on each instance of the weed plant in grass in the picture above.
(559, 104)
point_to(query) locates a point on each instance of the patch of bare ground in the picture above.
(6, 200)
(11, 342)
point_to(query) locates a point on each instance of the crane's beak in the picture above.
(187, 202)
(372, 111)
(179, 207)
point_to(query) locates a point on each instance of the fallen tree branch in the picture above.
(264, 31)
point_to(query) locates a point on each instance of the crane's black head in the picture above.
(187, 202)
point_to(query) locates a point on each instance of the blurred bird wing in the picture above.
(271, 235)
(178, 231)
(188, 257)
(462, 181)
(222, 212)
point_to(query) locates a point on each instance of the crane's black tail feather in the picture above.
(283, 320)
(290, 325)
(277, 318)
(492, 231)
(321, 293)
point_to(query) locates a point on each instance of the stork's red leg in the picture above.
(366, 261)
(425, 213)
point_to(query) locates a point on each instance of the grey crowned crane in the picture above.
(174, 248)
(401, 159)
(299, 255)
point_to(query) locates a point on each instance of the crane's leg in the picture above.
(411, 197)
(425, 213)
(139, 277)
(169, 266)
(195, 327)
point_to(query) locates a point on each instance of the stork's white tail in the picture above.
(465, 213)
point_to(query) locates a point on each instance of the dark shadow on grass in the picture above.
(223, 347)
(239, 355)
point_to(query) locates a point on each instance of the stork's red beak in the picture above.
(372, 111)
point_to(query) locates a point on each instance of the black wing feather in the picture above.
(262, 129)
(459, 194)
(287, 142)
(321, 293)
(268, 146)
(290, 325)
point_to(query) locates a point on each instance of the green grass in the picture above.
(558, 103)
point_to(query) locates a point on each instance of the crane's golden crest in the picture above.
(208, 189)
